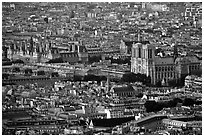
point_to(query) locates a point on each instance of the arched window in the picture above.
(150, 53)
(139, 53)
(144, 53)
(190, 67)
(169, 68)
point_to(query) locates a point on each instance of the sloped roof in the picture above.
(123, 89)
(187, 59)
(67, 108)
(129, 43)
(164, 60)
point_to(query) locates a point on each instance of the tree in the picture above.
(197, 72)
(132, 77)
(171, 103)
(16, 69)
(55, 74)
(173, 83)
(41, 72)
(18, 61)
(103, 78)
(152, 106)
(5, 60)
(129, 77)
(94, 59)
(140, 95)
(6, 63)
(28, 71)
(56, 60)
(143, 78)
(198, 102)
(5, 76)
(77, 78)
(90, 77)
(177, 100)
(188, 102)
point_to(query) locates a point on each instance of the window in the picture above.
(135, 53)
(169, 69)
(143, 53)
(139, 53)
(195, 67)
(150, 53)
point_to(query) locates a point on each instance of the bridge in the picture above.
(149, 119)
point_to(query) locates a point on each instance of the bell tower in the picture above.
(142, 59)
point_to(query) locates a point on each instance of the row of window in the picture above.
(166, 75)
(125, 93)
(176, 124)
(194, 67)
(69, 55)
(149, 53)
(171, 68)
(116, 115)
(97, 116)
(165, 68)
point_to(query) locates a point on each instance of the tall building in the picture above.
(161, 69)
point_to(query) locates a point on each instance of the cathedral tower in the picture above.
(142, 59)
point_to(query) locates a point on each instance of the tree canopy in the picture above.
(18, 61)
(56, 60)
(132, 77)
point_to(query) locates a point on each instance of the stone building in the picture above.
(161, 69)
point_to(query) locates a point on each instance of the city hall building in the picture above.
(161, 69)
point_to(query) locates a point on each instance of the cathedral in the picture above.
(161, 69)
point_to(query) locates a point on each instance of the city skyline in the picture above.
(101, 68)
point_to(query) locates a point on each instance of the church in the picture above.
(161, 69)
